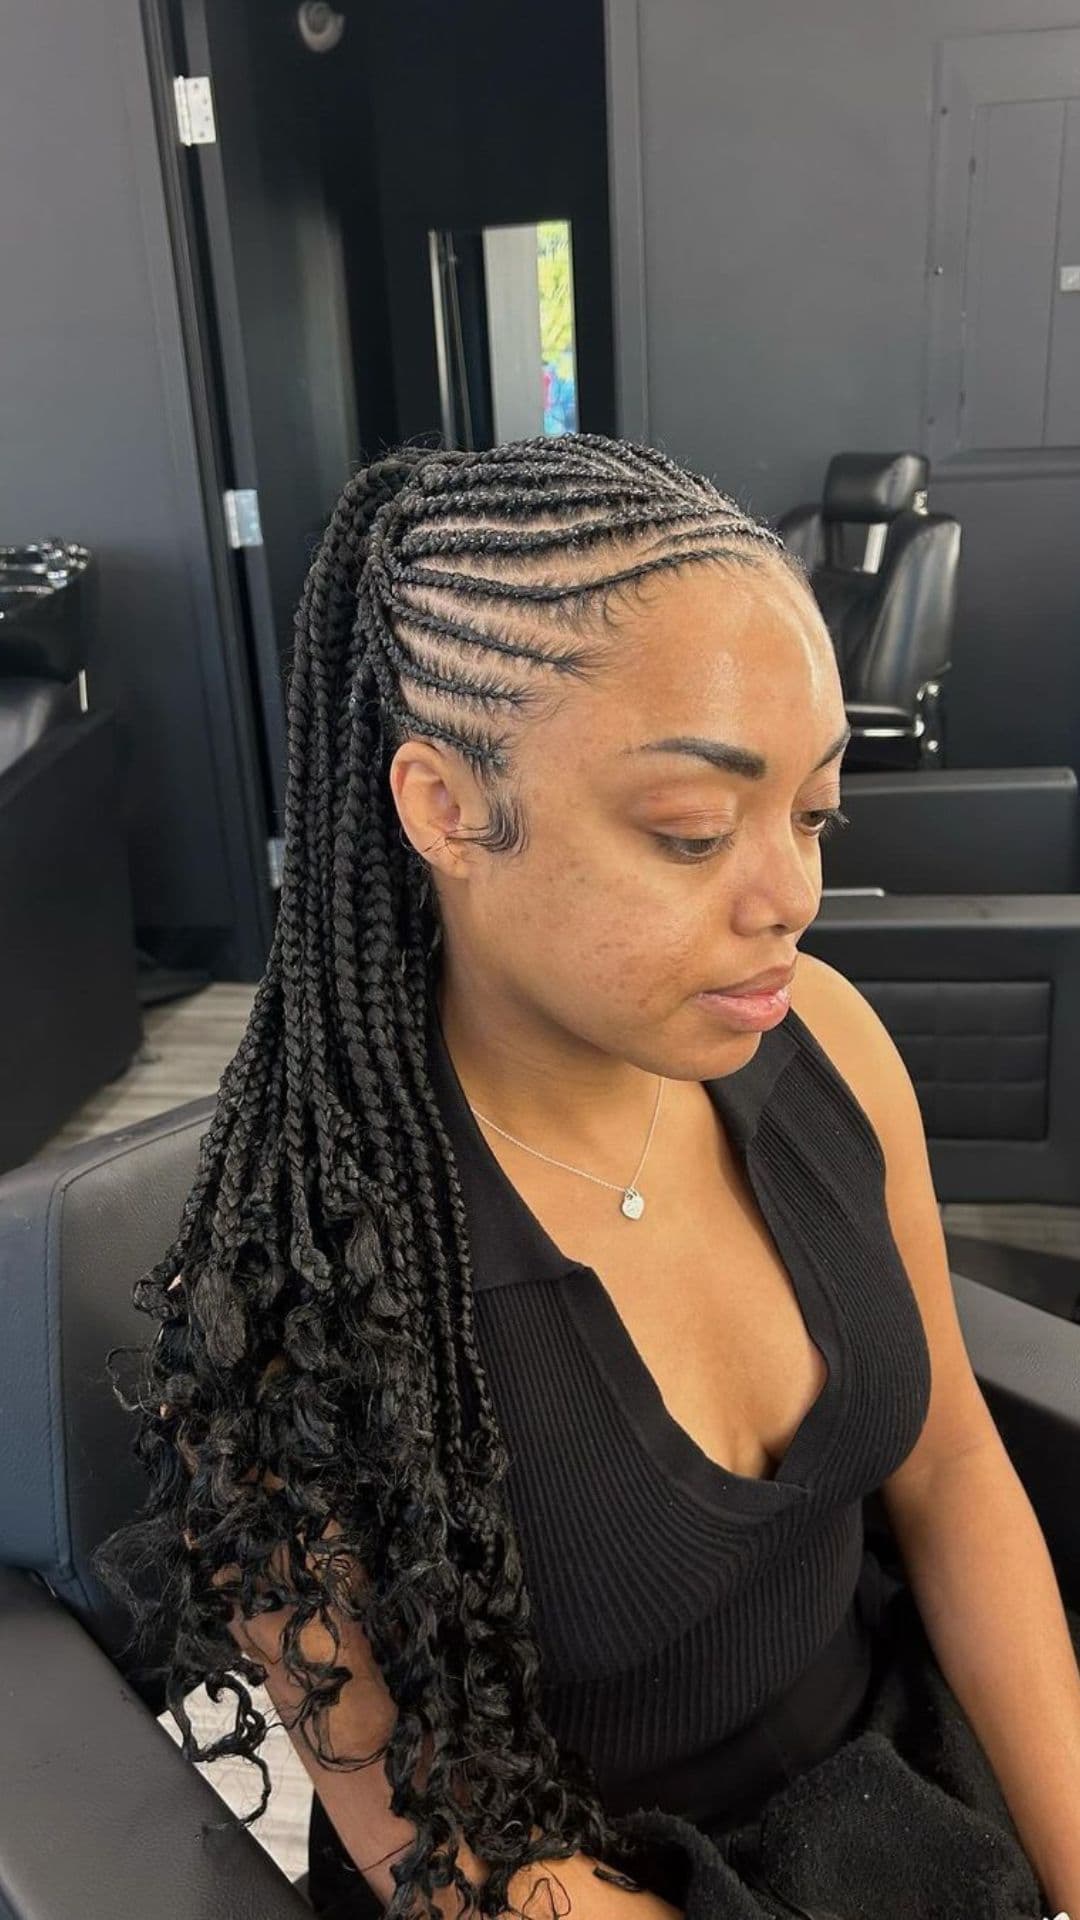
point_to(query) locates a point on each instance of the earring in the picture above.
(408, 845)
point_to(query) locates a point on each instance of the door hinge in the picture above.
(194, 110)
(275, 859)
(242, 517)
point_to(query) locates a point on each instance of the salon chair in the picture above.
(981, 994)
(883, 571)
(952, 901)
(958, 830)
(69, 1012)
(100, 1815)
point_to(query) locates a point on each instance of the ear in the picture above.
(428, 788)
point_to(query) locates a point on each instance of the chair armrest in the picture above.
(955, 921)
(872, 718)
(1028, 1365)
(100, 1814)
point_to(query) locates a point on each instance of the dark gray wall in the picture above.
(97, 446)
(772, 172)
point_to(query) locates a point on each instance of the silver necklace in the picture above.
(633, 1201)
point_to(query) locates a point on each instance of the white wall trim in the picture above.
(627, 214)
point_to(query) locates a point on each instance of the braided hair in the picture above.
(316, 1304)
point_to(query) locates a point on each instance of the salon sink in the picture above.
(44, 609)
(54, 556)
(23, 601)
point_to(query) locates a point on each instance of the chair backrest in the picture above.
(896, 633)
(863, 494)
(958, 830)
(883, 571)
(981, 994)
(77, 1229)
(970, 954)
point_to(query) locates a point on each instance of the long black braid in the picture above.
(325, 1229)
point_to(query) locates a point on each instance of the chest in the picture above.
(703, 1295)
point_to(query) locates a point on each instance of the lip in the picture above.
(748, 1012)
(769, 982)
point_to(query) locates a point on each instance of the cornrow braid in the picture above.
(450, 596)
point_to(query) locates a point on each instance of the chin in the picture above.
(726, 1053)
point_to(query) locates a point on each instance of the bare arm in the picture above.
(988, 1594)
(357, 1801)
(976, 1558)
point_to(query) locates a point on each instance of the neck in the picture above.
(557, 1092)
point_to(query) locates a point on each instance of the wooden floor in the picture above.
(187, 1045)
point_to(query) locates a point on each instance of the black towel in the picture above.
(905, 1821)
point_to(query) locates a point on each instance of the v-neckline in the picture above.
(608, 1339)
(509, 1244)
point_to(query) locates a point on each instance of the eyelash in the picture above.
(831, 818)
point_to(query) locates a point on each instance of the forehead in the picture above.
(740, 612)
(738, 653)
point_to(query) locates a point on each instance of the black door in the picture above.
(270, 243)
(319, 208)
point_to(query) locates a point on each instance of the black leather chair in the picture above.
(952, 900)
(981, 993)
(100, 1815)
(958, 830)
(884, 573)
(69, 1010)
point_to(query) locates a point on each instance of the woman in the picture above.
(535, 1326)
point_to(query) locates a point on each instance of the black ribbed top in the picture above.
(672, 1599)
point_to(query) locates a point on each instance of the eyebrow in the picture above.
(730, 759)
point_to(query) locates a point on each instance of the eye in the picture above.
(693, 852)
(830, 818)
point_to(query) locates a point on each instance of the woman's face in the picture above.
(600, 929)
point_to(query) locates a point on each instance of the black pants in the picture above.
(718, 1790)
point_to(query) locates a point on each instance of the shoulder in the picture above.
(860, 1047)
(864, 1054)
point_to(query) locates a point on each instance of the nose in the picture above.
(779, 886)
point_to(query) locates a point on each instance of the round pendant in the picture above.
(633, 1204)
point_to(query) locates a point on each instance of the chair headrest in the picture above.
(872, 487)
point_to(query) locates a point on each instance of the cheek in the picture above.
(631, 923)
(598, 915)
(580, 917)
